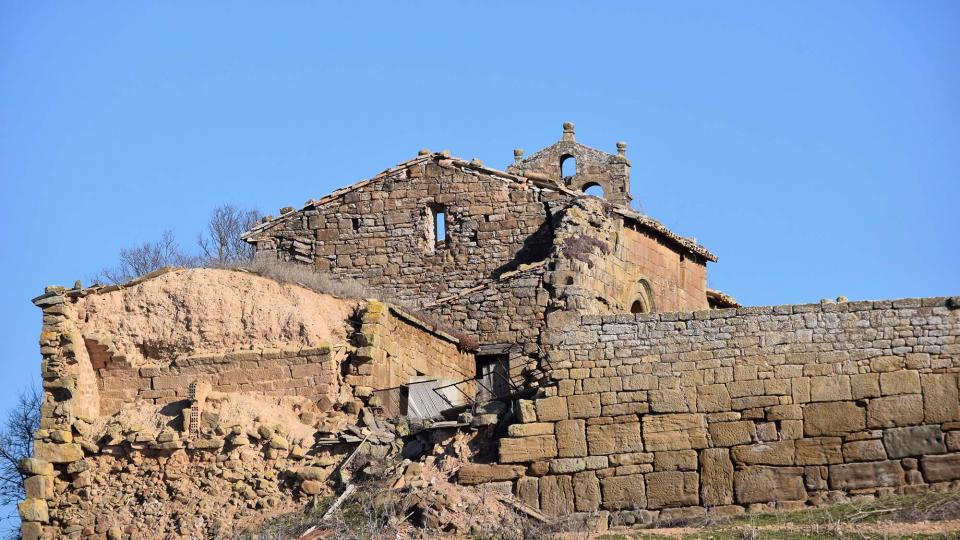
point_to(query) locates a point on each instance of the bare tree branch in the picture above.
(144, 259)
(16, 444)
(221, 245)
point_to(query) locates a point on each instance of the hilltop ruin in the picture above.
(558, 350)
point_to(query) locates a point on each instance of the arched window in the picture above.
(568, 166)
(643, 298)
(638, 307)
(594, 190)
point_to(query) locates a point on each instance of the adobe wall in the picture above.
(671, 415)
(312, 372)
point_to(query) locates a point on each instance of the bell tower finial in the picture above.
(568, 132)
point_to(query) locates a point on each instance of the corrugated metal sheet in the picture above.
(424, 401)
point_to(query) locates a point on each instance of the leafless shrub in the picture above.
(221, 245)
(145, 258)
(16, 444)
(308, 277)
(580, 247)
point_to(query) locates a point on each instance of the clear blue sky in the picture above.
(814, 146)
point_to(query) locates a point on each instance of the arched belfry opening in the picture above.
(593, 189)
(568, 166)
(574, 165)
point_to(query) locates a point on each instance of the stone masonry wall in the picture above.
(381, 231)
(675, 414)
(396, 346)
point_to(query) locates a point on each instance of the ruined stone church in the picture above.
(565, 345)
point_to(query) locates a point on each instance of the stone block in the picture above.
(556, 495)
(39, 487)
(552, 409)
(624, 492)
(567, 465)
(760, 484)
(36, 466)
(894, 411)
(526, 411)
(830, 388)
(58, 453)
(478, 473)
(677, 460)
(672, 488)
(866, 475)
(33, 510)
(586, 491)
(865, 385)
(674, 432)
(819, 451)
(31, 530)
(584, 406)
(673, 400)
(785, 412)
(528, 491)
(899, 382)
(944, 468)
(605, 439)
(868, 450)
(525, 449)
(941, 397)
(713, 398)
(913, 441)
(571, 438)
(832, 418)
(733, 433)
(765, 453)
(716, 477)
(527, 430)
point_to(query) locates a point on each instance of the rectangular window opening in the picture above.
(439, 227)
(356, 224)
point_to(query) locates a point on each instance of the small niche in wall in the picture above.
(356, 224)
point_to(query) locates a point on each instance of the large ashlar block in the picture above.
(552, 409)
(526, 449)
(733, 433)
(674, 432)
(584, 406)
(914, 441)
(571, 438)
(830, 388)
(713, 398)
(765, 453)
(941, 397)
(941, 468)
(677, 460)
(866, 475)
(819, 451)
(868, 450)
(33, 510)
(672, 488)
(832, 418)
(57, 452)
(865, 385)
(476, 473)
(608, 439)
(894, 411)
(900, 382)
(528, 491)
(586, 491)
(624, 492)
(761, 484)
(716, 477)
(556, 495)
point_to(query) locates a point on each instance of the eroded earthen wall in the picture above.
(672, 415)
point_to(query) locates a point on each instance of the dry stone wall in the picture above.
(677, 414)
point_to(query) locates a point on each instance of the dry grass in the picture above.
(308, 277)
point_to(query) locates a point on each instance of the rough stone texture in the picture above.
(716, 477)
(635, 406)
(913, 441)
(624, 492)
(765, 484)
(815, 398)
(866, 475)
